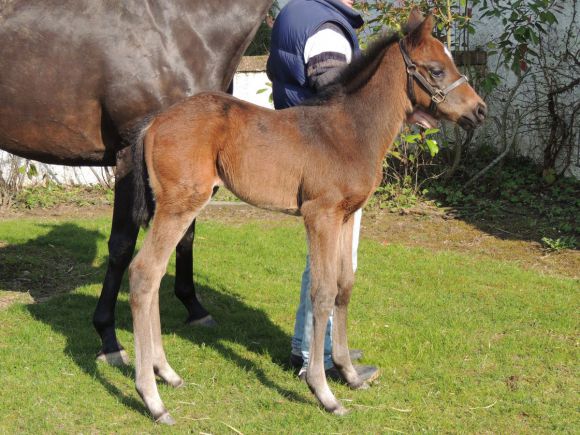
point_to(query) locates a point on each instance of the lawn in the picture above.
(465, 344)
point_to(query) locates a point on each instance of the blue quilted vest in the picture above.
(298, 21)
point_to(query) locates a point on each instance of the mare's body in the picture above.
(76, 74)
(321, 161)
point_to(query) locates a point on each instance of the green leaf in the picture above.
(32, 171)
(411, 138)
(433, 147)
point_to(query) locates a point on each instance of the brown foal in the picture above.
(321, 160)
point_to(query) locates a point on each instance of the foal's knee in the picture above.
(322, 300)
(345, 284)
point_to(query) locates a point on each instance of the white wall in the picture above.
(528, 142)
(247, 85)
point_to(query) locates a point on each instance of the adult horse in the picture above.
(76, 74)
(321, 160)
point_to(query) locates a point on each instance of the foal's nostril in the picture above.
(481, 112)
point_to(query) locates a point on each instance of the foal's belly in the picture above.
(261, 188)
(267, 198)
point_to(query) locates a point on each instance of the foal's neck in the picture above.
(379, 107)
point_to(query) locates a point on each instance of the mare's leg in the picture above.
(121, 247)
(184, 287)
(145, 275)
(323, 236)
(340, 352)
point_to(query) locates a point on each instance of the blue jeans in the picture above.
(303, 324)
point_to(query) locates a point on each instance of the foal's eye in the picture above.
(436, 73)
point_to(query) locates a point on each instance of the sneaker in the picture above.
(297, 362)
(366, 373)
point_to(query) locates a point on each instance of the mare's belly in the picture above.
(68, 140)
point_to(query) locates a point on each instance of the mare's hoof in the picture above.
(166, 418)
(206, 321)
(340, 411)
(119, 358)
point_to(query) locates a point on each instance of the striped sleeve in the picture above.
(325, 53)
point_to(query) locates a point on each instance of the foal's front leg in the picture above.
(145, 275)
(323, 234)
(340, 352)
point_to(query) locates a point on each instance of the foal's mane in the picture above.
(355, 75)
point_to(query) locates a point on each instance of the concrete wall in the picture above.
(531, 140)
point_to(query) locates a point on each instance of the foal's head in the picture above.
(435, 87)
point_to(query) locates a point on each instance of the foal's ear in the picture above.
(415, 19)
(421, 31)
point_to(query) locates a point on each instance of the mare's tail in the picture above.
(143, 201)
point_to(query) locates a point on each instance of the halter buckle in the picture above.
(438, 97)
(411, 69)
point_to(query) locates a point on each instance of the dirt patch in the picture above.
(59, 211)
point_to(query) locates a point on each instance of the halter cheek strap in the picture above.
(438, 95)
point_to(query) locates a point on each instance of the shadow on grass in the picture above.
(55, 263)
(58, 254)
(512, 201)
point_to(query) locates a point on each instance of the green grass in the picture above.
(464, 345)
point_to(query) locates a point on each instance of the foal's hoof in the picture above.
(175, 383)
(360, 386)
(206, 321)
(340, 411)
(166, 418)
(178, 383)
(119, 358)
(169, 377)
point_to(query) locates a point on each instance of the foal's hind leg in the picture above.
(145, 275)
(323, 233)
(160, 365)
(340, 352)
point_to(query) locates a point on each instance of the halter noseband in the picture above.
(437, 95)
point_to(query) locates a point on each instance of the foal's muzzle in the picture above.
(475, 118)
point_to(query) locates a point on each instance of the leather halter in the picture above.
(438, 95)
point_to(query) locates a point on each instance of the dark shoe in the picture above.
(297, 362)
(365, 373)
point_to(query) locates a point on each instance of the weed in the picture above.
(557, 245)
(516, 194)
(52, 195)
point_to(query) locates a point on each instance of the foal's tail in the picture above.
(143, 201)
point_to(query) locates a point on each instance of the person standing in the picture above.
(311, 41)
